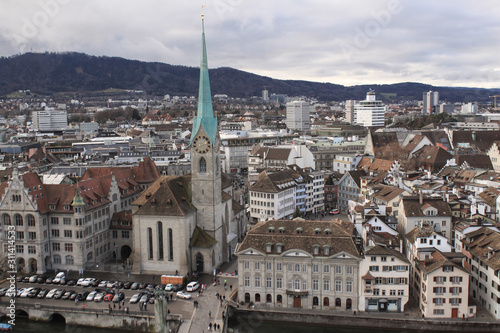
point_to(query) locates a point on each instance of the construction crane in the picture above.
(495, 102)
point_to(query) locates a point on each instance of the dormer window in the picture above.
(269, 247)
(270, 230)
(328, 231)
(315, 249)
(279, 247)
(281, 230)
(317, 231)
(326, 250)
(299, 230)
(67, 208)
(52, 207)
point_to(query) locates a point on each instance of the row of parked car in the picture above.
(97, 283)
(35, 292)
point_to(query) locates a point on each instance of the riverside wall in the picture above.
(135, 322)
(254, 317)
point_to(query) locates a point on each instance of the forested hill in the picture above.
(48, 73)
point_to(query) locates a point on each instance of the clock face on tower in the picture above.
(201, 144)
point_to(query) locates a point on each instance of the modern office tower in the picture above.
(444, 108)
(265, 95)
(350, 115)
(469, 108)
(298, 116)
(51, 120)
(370, 112)
(431, 100)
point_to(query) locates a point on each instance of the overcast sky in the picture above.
(440, 42)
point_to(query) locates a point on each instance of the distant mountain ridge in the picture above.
(48, 73)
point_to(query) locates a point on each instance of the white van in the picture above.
(58, 277)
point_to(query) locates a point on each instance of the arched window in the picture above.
(115, 197)
(150, 243)
(348, 304)
(315, 300)
(279, 299)
(6, 219)
(269, 298)
(170, 245)
(257, 298)
(69, 260)
(31, 220)
(326, 301)
(247, 298)
(57, 259)
(338, 302)
(19, 220)
(159, 230)
(203, 165)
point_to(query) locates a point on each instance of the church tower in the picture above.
(205, 162)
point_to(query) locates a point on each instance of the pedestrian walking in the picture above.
(231, 287)
(145, 306)
(114, 306)
(209, 326)
(83, 307)
(224, 297)
(209, 314)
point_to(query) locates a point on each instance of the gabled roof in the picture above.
(385, 251)
(490, 196)
(374, 164)
(437, 261)
(201, 239)
(145, 172)
(356, 176)
(484, 243)
(482, 140)
(413, 208)
(475, 161)
(167, 196)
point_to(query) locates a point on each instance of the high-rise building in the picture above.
(50, 120)
(350, 116)
(265, 95)
(431, 100)
(370, 112)
(298, 116)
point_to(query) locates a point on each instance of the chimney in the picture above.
(420, 197)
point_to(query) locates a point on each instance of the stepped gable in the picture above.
(302, 235)
(168, 196)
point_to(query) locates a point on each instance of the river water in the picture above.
(26, 326)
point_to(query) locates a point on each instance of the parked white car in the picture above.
(91, 296)
(87, 282)
(26, 292)
(51, 293)
(80, 281)
(184, 295)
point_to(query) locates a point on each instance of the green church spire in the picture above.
(205, 115)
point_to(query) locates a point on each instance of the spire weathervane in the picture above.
(202, 14)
